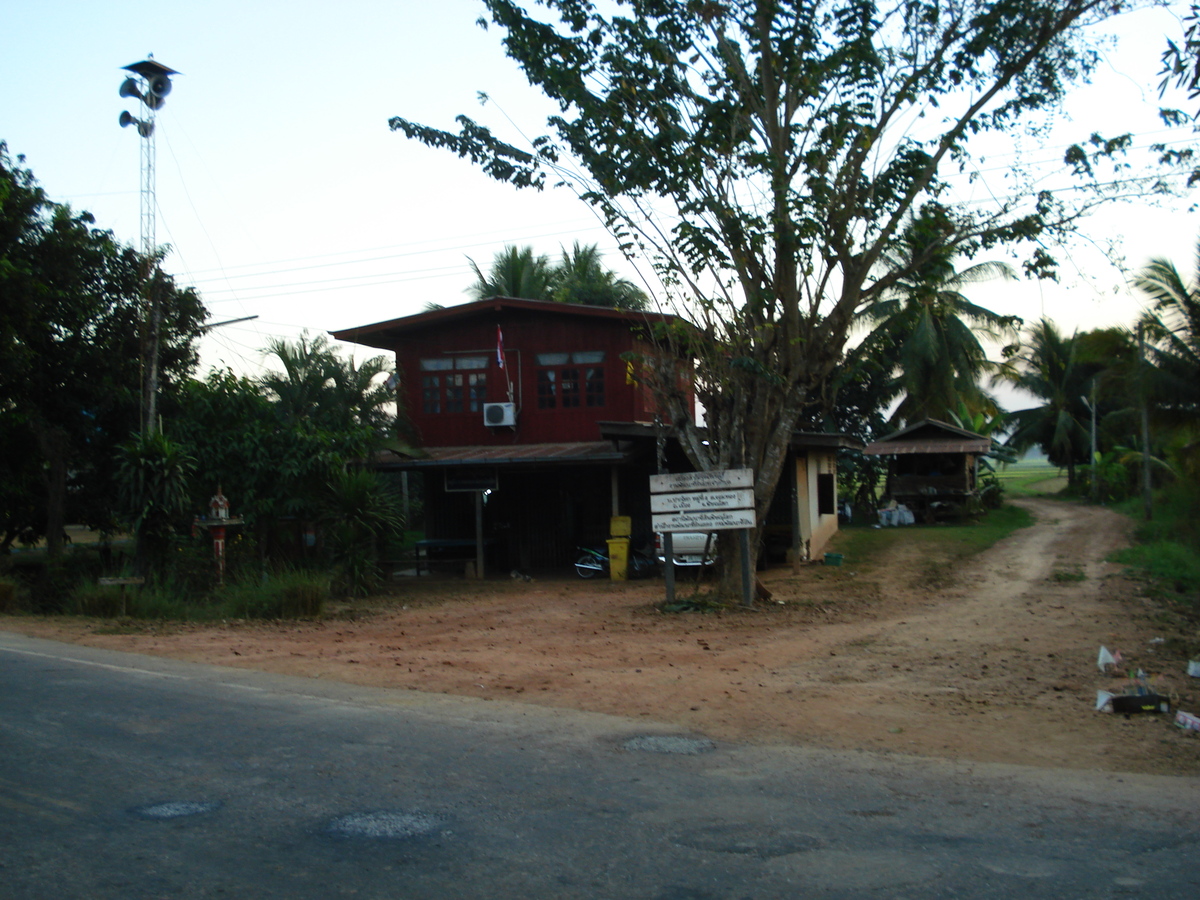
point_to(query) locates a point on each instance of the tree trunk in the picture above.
(54, 445)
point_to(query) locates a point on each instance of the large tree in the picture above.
(765, 155)
(71, 326)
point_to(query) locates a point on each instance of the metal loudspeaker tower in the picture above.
(150, 83)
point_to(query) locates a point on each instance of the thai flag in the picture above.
(499, 347)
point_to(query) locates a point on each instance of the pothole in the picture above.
(669, 743)
(385, 824)
(175, 809)
(748, 839)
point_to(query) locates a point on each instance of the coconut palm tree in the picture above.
(1049, 368)
(580, 277)
(1173, 325)
(515, 272)
(928, 327)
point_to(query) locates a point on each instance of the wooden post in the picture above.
(747, 580)
(479, 534)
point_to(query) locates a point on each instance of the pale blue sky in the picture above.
(284, 194)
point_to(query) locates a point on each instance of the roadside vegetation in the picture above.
(1166, 549)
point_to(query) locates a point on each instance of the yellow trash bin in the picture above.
(618, 558)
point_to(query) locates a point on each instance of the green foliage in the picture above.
(70, 352)
(578, 277)
(927, 331)
(1166, 549)
(274, 457)
(287, 595)
(1173, 326)
(1066, 576)
(945, 543)
(515, 272)
(359, 514)
(1049, 369)
(153, 474)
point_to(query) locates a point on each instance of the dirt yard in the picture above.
(992, 661)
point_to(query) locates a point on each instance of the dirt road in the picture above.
(994, 660)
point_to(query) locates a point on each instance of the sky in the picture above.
(284, 195)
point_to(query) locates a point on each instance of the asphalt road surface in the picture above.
(126, 776)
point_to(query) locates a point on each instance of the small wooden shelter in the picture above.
(933, 466)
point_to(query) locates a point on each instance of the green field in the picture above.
(1032, 477)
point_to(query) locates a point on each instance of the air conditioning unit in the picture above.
(496, 414)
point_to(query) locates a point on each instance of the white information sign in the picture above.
(702, 500)
(714, 520)
(699, 481)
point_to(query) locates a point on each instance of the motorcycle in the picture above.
(595, 562)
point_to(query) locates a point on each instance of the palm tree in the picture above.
(318, 386)
(515, 272)
(580, 277)
(1050, 370)
(1173, 325)
(300, 389)
(928, 327)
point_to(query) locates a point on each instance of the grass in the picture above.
(1032, 478)
(1166, 551)
(942, 542)
(1068, 575)
(931, 554)
(286, 595)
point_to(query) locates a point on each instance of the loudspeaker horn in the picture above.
(145, 129)
(126, 119)
(129, 88)
(159, 85)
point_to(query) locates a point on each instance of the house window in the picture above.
(547, 388)
(476, 391)
(593, 381)
(431, 393)
(459, 386)
(563, 384)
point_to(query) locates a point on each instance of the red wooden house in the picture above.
(509, 400)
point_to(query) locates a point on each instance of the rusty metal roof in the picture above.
(897, 447)
(506, 455)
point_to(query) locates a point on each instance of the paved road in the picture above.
(125, 776)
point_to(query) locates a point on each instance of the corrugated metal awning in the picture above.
(895, 448)
(507, 455)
